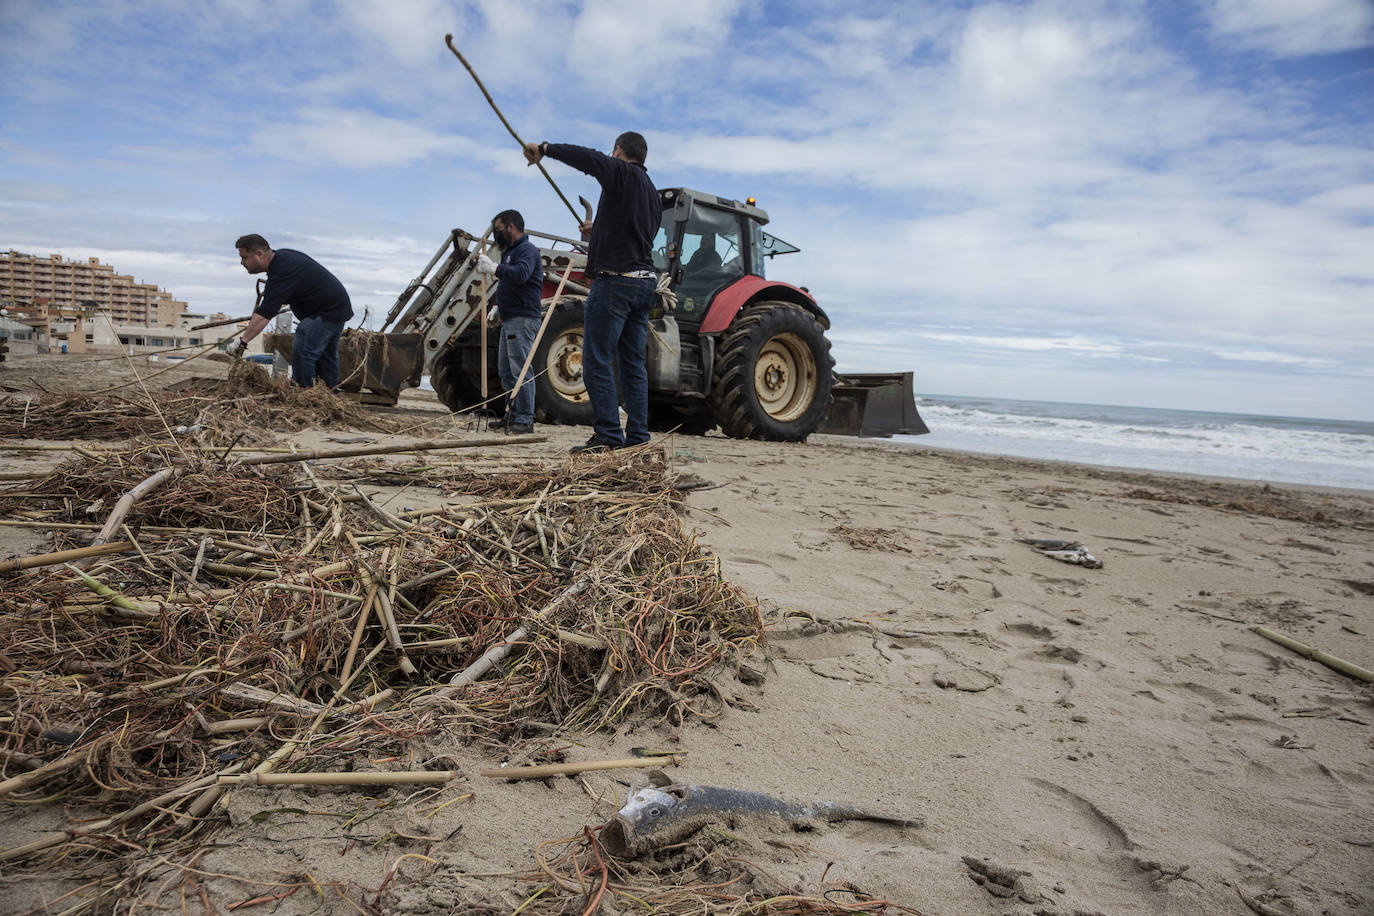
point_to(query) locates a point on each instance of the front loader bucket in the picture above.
(874, 404)
(375, 366)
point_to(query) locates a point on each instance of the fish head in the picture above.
(645, 812)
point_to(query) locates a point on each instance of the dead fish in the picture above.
(658, 816)
(1064, 551)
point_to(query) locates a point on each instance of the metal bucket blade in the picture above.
(379, 363)
(874, 404)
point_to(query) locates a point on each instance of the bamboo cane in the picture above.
(98, 827)
(482, 327)
(363, 614)
(1317, 655)
(478, 669)
(113, 597)
(394, 778)
(539, 334)
(127, 501)
(63, 556)
(147, 529)
(381, 606)
(289, 747)
(24, 780)
(568, 769)
(431, 445)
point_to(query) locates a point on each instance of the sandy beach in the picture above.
(1076, 740)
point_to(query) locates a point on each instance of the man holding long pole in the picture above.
(620, 263)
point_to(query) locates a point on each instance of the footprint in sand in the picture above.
(1109, 833)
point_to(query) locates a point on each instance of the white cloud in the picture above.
(1063, 178)
(615, 45)
(1021, 342)
(1270, 356)
(1290, 28)
(353, 138)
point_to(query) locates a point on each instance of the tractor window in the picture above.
(661, 242)
(756, 234)
(711, 256)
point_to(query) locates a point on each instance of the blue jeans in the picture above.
(615, 328)
(517, 339)
(315, 352)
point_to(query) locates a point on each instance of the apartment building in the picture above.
(54, 282)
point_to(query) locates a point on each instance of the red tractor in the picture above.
(738, 351)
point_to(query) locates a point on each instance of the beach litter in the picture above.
(1063, 551)
(264, 621)
(660, 815)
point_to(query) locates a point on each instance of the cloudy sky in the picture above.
(1164, 203)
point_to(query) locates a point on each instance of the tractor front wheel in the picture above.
(773, 374)
(560, 394)
(456, 376)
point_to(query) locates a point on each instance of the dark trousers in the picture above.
(315, 352)
(615, 329)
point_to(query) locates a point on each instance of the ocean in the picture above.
(1332, 453)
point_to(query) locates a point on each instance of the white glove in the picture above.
(485, 265)
(494, 314)
(236, 347)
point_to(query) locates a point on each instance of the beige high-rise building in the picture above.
(59, 283)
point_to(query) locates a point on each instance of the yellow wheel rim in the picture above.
(785, 377)
(564, 366)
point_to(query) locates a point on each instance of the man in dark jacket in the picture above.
(620, 263)
(317, 299)
(520, 277)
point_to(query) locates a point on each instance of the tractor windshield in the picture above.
(711, 255)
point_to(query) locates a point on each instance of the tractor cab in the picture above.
(707, 243)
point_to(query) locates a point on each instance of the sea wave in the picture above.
(1288, 449)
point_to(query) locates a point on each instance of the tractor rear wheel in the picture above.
(773, 374)
(456, 383)
(560, 394)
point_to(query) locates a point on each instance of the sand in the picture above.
(1077, 740)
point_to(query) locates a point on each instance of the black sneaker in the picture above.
(592, 446)
(498, 423)
(520, 429)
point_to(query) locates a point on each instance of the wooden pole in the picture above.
(448, 40)
(430, 445)
(539, 334)
(482, 342)
(219, 324)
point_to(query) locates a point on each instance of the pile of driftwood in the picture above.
(202, 619)
(244, 407)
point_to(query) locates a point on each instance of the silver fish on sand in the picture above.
(658, 816)
(1063, 551)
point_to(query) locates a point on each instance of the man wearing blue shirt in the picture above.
(620, 263)
(317, 299)
(519, 288)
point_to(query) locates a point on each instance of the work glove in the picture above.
(235, 347)
(494, 314)
(485, 265)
